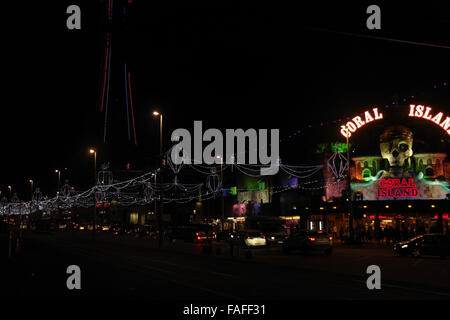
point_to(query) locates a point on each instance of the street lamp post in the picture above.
(59, 179)
(10, 191)
(161, 202)
(94, 152)
(31, 188)
(31, 200)
(221, 198)
(57, 191)
(349, 192)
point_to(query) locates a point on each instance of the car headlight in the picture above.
(404, 246)
(272, 238)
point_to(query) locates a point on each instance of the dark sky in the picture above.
(228, 64)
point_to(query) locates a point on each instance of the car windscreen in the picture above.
(273, 228)
(318, 234)
(202, 227)
(254, 234)
(416, 238)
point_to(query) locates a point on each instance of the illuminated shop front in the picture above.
(419, 216)
(394, 186)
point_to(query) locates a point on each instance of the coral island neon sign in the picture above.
(418, 111)
(424, 113)
(357, 122)
(397, 188)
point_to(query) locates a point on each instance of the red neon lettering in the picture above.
(419, 111)
(446, 123)
(396, 188)
(411, 110)
(351, 126)
(368, 117)
(426, 115)
(345, 132)
(437, 118)
(358, 121)
(377, 115)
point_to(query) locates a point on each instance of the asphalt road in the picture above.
(136, 269)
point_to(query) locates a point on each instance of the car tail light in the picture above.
(249, 237)
(198, 238)
(264, 237)
(331, 238)
(196, 233)
(312, 239)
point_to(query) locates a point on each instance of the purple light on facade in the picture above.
(445, 83)
(393, 102)
(298, 131)
(293, 182)
(435, 86)
(412, 97)
(404, 99)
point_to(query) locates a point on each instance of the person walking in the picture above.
(381, 236)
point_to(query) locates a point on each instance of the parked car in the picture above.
(308, 241)
(275, 236)
(432, 244)
(249, 239)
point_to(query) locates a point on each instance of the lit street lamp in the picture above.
(159, 216)
(156, 114)
(94, 152)
(31, 188)
(222, 200)
(59, 179)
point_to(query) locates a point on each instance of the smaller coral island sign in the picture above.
(397, 188)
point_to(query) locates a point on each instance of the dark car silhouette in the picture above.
(432, 244)
(308, 241)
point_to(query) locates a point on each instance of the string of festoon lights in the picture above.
(143, 189)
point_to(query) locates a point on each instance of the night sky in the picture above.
(228, 64)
